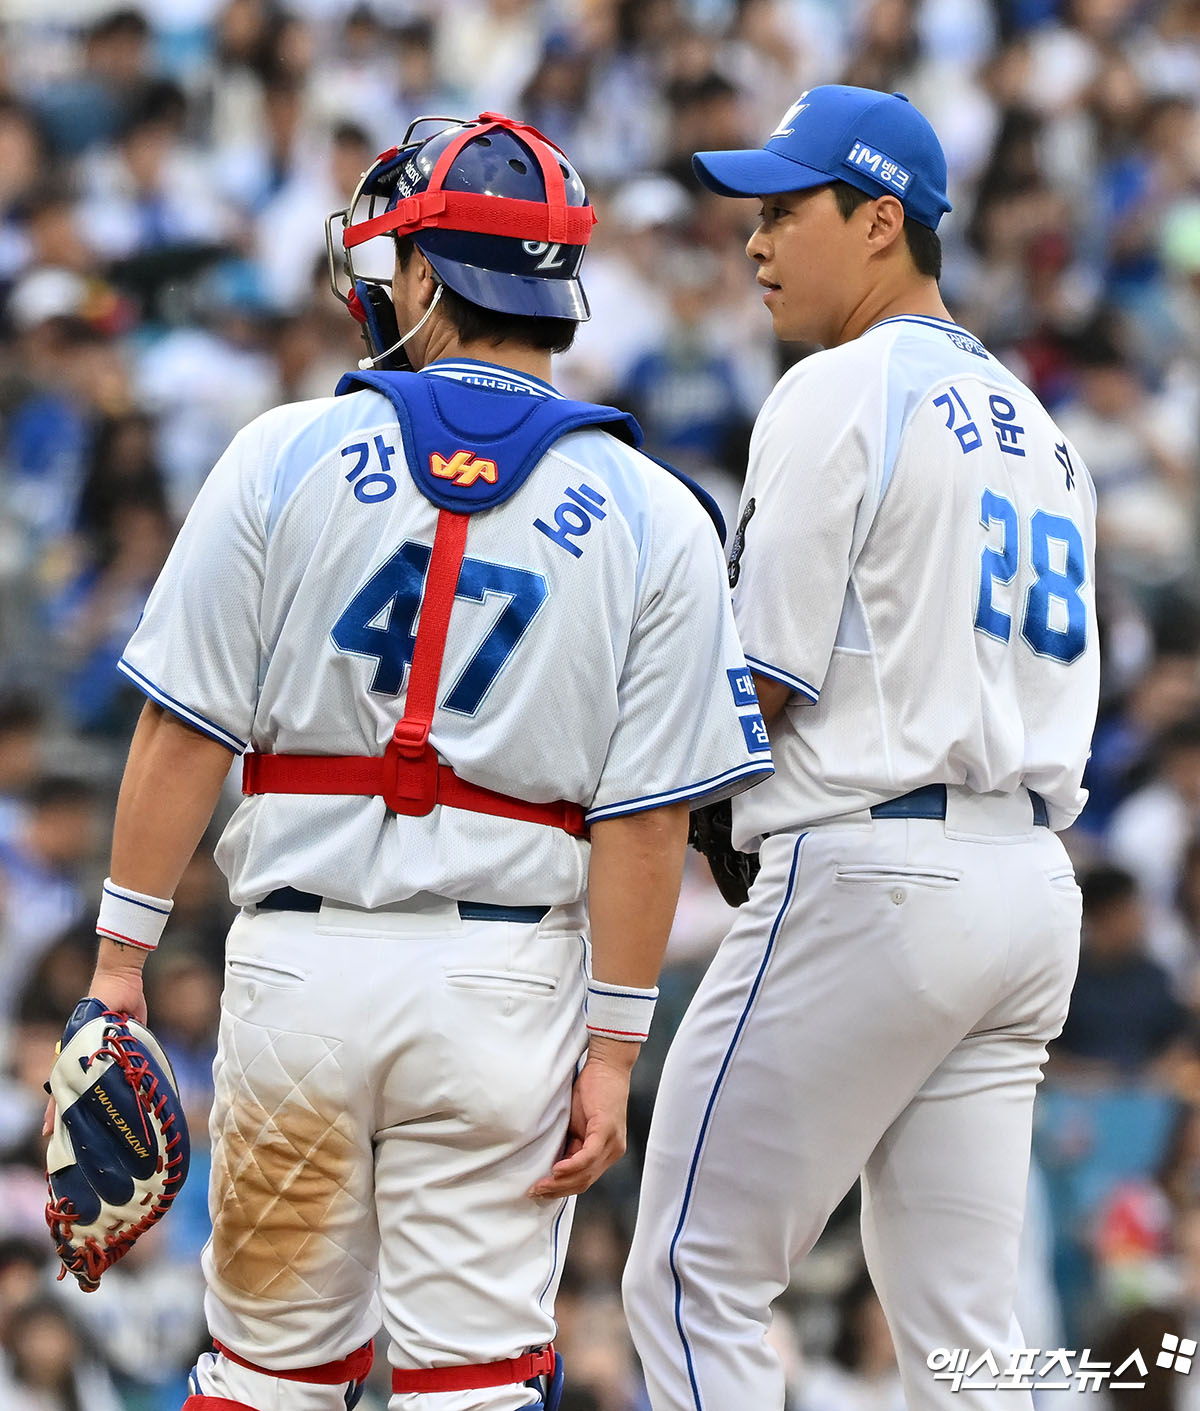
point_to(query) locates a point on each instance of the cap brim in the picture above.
(756, 172)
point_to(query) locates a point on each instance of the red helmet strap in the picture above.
(551, 220)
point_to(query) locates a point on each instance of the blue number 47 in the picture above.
(380, 620)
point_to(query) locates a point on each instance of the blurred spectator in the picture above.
(90, 110)
(22, 158)
(487, 49)
(1167, 693)
(48, 1366)
(184, 996)
(149, 193)
(22, 1270)
(1150, 830)
(860, 1373)
(122, 465)
(207, 376)
(22, 729)
(1123, 1017)
(203, 912)
(682, 388)
(290, 222)
(40, 893)
(1142, 459)
(1143, 1330)
(148, 1316)
(94, 613)
(630, 311)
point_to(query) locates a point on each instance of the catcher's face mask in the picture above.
(496, 209)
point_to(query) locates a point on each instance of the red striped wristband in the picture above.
(619, 1011)
(131, 918)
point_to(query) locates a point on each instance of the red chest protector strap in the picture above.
(408, 776)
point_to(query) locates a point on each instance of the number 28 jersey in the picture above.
(591, 653)
(915, 559)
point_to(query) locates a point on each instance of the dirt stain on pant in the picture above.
(281, 1180)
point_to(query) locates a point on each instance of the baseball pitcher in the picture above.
(913, 583)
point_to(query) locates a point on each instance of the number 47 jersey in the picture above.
(915, 559)
(591, 655)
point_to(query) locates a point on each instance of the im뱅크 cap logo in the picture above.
(882, 167)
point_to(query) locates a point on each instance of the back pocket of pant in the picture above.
(264, 972)
(885, 873)
(511, 982)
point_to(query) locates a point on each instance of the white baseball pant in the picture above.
(881, 1006)
(389, 1084)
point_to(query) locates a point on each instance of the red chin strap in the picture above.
(551, 220)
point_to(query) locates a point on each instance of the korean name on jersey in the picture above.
(591, 655)
(916, 563)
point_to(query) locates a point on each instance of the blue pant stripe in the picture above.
(687, 1194)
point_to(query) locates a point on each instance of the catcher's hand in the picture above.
(118, 1152)
(710, 831)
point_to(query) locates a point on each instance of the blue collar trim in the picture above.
(492, 375)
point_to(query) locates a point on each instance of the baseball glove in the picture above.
(710, 832)
(118, 1153)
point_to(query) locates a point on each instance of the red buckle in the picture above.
(409, 776)
(474, 1377)
(415, 211)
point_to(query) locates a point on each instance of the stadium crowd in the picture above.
(165, 173)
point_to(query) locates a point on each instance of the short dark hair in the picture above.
(922, 240)
(473, 323)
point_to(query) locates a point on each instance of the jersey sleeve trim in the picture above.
(185, 713)
(785, 678)
(719, 785)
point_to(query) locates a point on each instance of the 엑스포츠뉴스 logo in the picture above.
(463, 468)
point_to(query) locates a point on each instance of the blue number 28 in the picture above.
(1051, 584)
(379, 620)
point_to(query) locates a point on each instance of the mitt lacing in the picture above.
(91, 1258)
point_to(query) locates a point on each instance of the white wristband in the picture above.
(132, 918)
(619, 1011)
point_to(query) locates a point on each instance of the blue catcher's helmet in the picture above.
(496, 208)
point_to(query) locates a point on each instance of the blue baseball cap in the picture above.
(876, 141)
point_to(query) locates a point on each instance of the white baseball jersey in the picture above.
(918, 567)
(591, 653)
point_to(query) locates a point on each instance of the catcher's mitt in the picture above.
(119, 1150)
(710, 832)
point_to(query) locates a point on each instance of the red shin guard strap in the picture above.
(484, 1374)
(350, 1369)
(215, 1403)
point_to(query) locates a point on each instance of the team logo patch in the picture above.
(463, 468)
(739, 544)
(880, 166)
(787, 122)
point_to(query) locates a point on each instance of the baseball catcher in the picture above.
(118, 1151)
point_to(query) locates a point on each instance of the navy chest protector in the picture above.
(468, 448)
